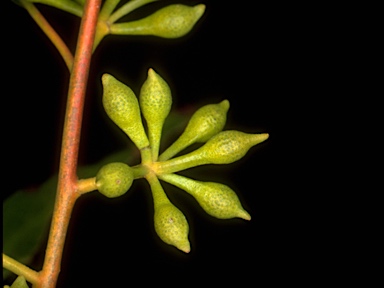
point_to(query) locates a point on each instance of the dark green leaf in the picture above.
(26, 218)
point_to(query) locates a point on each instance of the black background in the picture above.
(246, 54)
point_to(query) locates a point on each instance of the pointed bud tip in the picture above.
(244, 215)
(108, 79)
(224, 104)
(200, 8)
(184, 246)
(186, 249)
(258, 138)
(151, 72)
(105, 78)
(264, 136)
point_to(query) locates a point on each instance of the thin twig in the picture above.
(20, 269)
(50, 32)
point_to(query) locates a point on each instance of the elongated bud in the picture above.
(114, 179)
(223, 148)
(204, 123)
(172, 227)
(172, 21)
(122, 107)
(218, 200)
(155, 102)
(170, 223)
(230, 146)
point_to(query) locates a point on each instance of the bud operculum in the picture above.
(172, 226)
(122, 107)
(230, 146)
(217, 199)
(155, 102)
(172, 21)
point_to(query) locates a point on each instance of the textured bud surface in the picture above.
(155, 98)
(172, 21)
(122, 107)
(172, 227)
(217, 199)
(170, 223)
(155, 102)
(204, 123)
(223, 148)
(114, 179)
(209, 120)
(230, 146)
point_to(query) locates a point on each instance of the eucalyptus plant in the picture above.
(142, 119)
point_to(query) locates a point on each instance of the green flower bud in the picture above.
(155, 102)
(229, 146)
(122, 107)
(172, 21)
(223, 148)
(204, 123)
(172, 227)
(114, 179)
(218, 200)
(170, 222)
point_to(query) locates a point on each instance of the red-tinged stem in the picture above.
(67, 190)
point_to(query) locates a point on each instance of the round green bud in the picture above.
(217, 199)
(172, 21)
(114, 179)
(155, 103)
(203, 125)
(122, 107)
(172, 226)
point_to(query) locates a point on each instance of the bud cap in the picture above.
(229, 146)
(217, 199)
(172, 227)
(172, 21)
(122, 107)
(155, 102)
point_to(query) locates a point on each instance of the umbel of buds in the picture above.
(205, 126)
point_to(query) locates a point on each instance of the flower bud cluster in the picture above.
(205, 126)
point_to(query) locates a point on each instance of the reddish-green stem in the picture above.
(67, 190)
